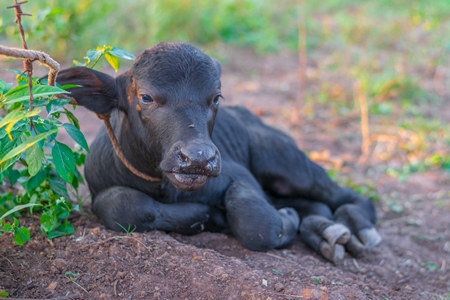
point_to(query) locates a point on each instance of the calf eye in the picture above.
(216, 100)
(146, 99)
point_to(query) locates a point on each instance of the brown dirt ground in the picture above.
(412, 262)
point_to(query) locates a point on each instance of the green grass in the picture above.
(70, 27)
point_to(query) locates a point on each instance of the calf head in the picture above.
(170, 98)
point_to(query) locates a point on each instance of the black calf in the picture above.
(243, 175)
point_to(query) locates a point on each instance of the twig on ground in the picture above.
(7, 260)
(70, 279)
(282, 258)
(118, 237)
(215, 277)
(115, 287)
(285, 295)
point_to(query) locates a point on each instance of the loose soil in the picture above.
(412, 262)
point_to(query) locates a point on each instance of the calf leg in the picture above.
(317, 228)
(121, 207)
(359, 219)
(255, 223)
(285, 172)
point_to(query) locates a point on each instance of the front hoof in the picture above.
(289, 218)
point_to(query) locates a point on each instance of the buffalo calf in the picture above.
(218, 168)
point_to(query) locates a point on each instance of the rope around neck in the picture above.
(119, 152)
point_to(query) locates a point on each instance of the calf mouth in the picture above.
(187, 182)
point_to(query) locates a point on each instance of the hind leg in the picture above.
(286, 172)
(122, 207)
(317, 228)
(351, 225)
(359, 217)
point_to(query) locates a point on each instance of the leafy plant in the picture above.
(21, 234)
(39, 171)
(34, 163)
(111, 54)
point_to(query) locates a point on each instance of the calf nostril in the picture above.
(184, 157)
(198, 158)
(212, 163)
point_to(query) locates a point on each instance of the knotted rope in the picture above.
(32, 55)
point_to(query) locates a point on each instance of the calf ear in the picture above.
(98, 91)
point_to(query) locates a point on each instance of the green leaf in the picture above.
(63, 214)
(17, 208)
(4, 294)
(62, 230)
(70, 86)
(16, 130)
(21, 235)
(48, 221)
(17, 72)
(76, 63)
(4, 87)
(56, 105)
(13, 176)
(113, 61)
(77, 179)
(7, 145)
(58, 186)
(15, 116)
(76, 135)
(71, 117)
(120, 53)
(25, 145)
(7, 228)
(92, 55)
(21, 93)
(35, 181)
(64, 161)
(34, 158)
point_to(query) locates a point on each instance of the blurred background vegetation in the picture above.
(396, 50)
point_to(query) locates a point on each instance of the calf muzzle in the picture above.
(189, 165)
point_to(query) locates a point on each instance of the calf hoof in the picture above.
(325, 237)
(364, 235)
(290, 219)
(336, 234)
(291, 223)
(365, 240)
(369, 237)
(334, 253)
